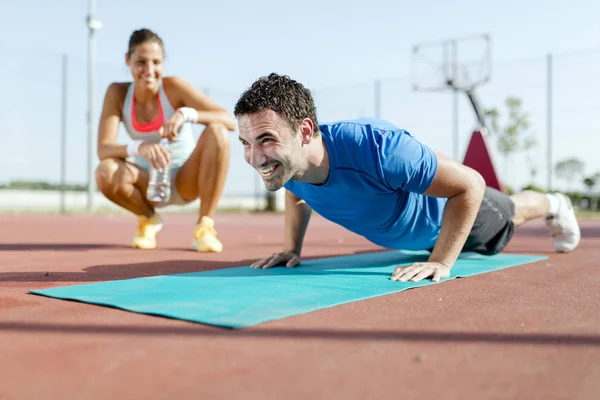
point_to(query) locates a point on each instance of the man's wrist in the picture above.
(446, 263)
(292, 249)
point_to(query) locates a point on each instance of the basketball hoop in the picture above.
(460, 65)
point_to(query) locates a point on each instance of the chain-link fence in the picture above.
(45, 132)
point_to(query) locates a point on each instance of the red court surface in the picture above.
(528, 332)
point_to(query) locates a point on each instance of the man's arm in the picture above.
(464, 188)
(411, 166)
(297, 215)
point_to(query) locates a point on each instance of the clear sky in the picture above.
(336, 48)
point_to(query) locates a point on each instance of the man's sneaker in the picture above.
(205, 237)
(145, 237)
(563, 226)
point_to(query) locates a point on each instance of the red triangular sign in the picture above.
(478, 158)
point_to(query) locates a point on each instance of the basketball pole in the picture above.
(63, 134)
(455, 134)
(549, 120)
(455, 112)
(93, 26)
(377, 98)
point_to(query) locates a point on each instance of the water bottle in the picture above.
(159, 186)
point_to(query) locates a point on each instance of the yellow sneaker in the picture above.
(205, 237)
(145, 237)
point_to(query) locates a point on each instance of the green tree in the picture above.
(512, 136)
(591, 181)
(569, 169)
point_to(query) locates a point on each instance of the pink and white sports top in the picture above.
(181, 147)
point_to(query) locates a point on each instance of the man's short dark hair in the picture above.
(281, 94)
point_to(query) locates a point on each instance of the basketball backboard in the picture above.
(455, 64)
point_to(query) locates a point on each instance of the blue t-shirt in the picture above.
(378, 174)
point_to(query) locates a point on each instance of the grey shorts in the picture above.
(493, 227)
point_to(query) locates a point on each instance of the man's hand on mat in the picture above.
(419, 271)
(287, 258)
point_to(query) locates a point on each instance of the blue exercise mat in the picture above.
(241, 297)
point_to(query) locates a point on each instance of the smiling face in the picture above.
(274, 148)
(146, 64)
